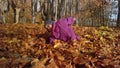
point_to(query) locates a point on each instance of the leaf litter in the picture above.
(26, 46)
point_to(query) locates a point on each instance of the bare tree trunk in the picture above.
(64, 9)
(3, 7)
(66, 13)
(46, 7)
(56, 9)
(71, 6)
(42, 9)
(3, 18)
(59, 8)
(118, 19)
(33, 11)
(17, 6)
(17, 15)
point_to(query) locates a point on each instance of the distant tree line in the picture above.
(92, 12)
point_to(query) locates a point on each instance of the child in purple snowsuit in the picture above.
(61, 30)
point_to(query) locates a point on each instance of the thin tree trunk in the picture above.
(3, 7)
(33, 11)
(71, 7)
(17, 15)
(62, 12)
(118, 19)
(56, 8)
(4, 19)
(64, 7)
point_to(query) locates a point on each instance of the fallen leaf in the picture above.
(39, 64)
(52, 64)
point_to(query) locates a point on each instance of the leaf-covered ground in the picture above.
(26, 46)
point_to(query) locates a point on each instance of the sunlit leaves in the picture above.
(26, 45)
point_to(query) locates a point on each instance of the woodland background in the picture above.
(87, 12)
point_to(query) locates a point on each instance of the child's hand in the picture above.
(74, 19)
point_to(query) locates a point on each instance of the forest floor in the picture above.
(26, 46)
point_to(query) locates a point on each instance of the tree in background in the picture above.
(118, 18)
(17, 6)
(33, 10)
(4, 4)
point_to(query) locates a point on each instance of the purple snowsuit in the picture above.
(61, 30)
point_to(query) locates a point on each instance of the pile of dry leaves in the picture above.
(26, 46)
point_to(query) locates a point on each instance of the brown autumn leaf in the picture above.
(57, 43)
(107, 61)
(59, 56)
(76, 60)
(69, 65)
(52, 64)
(118, 57)
(4, 62)
(34, 61)
(39, 64)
